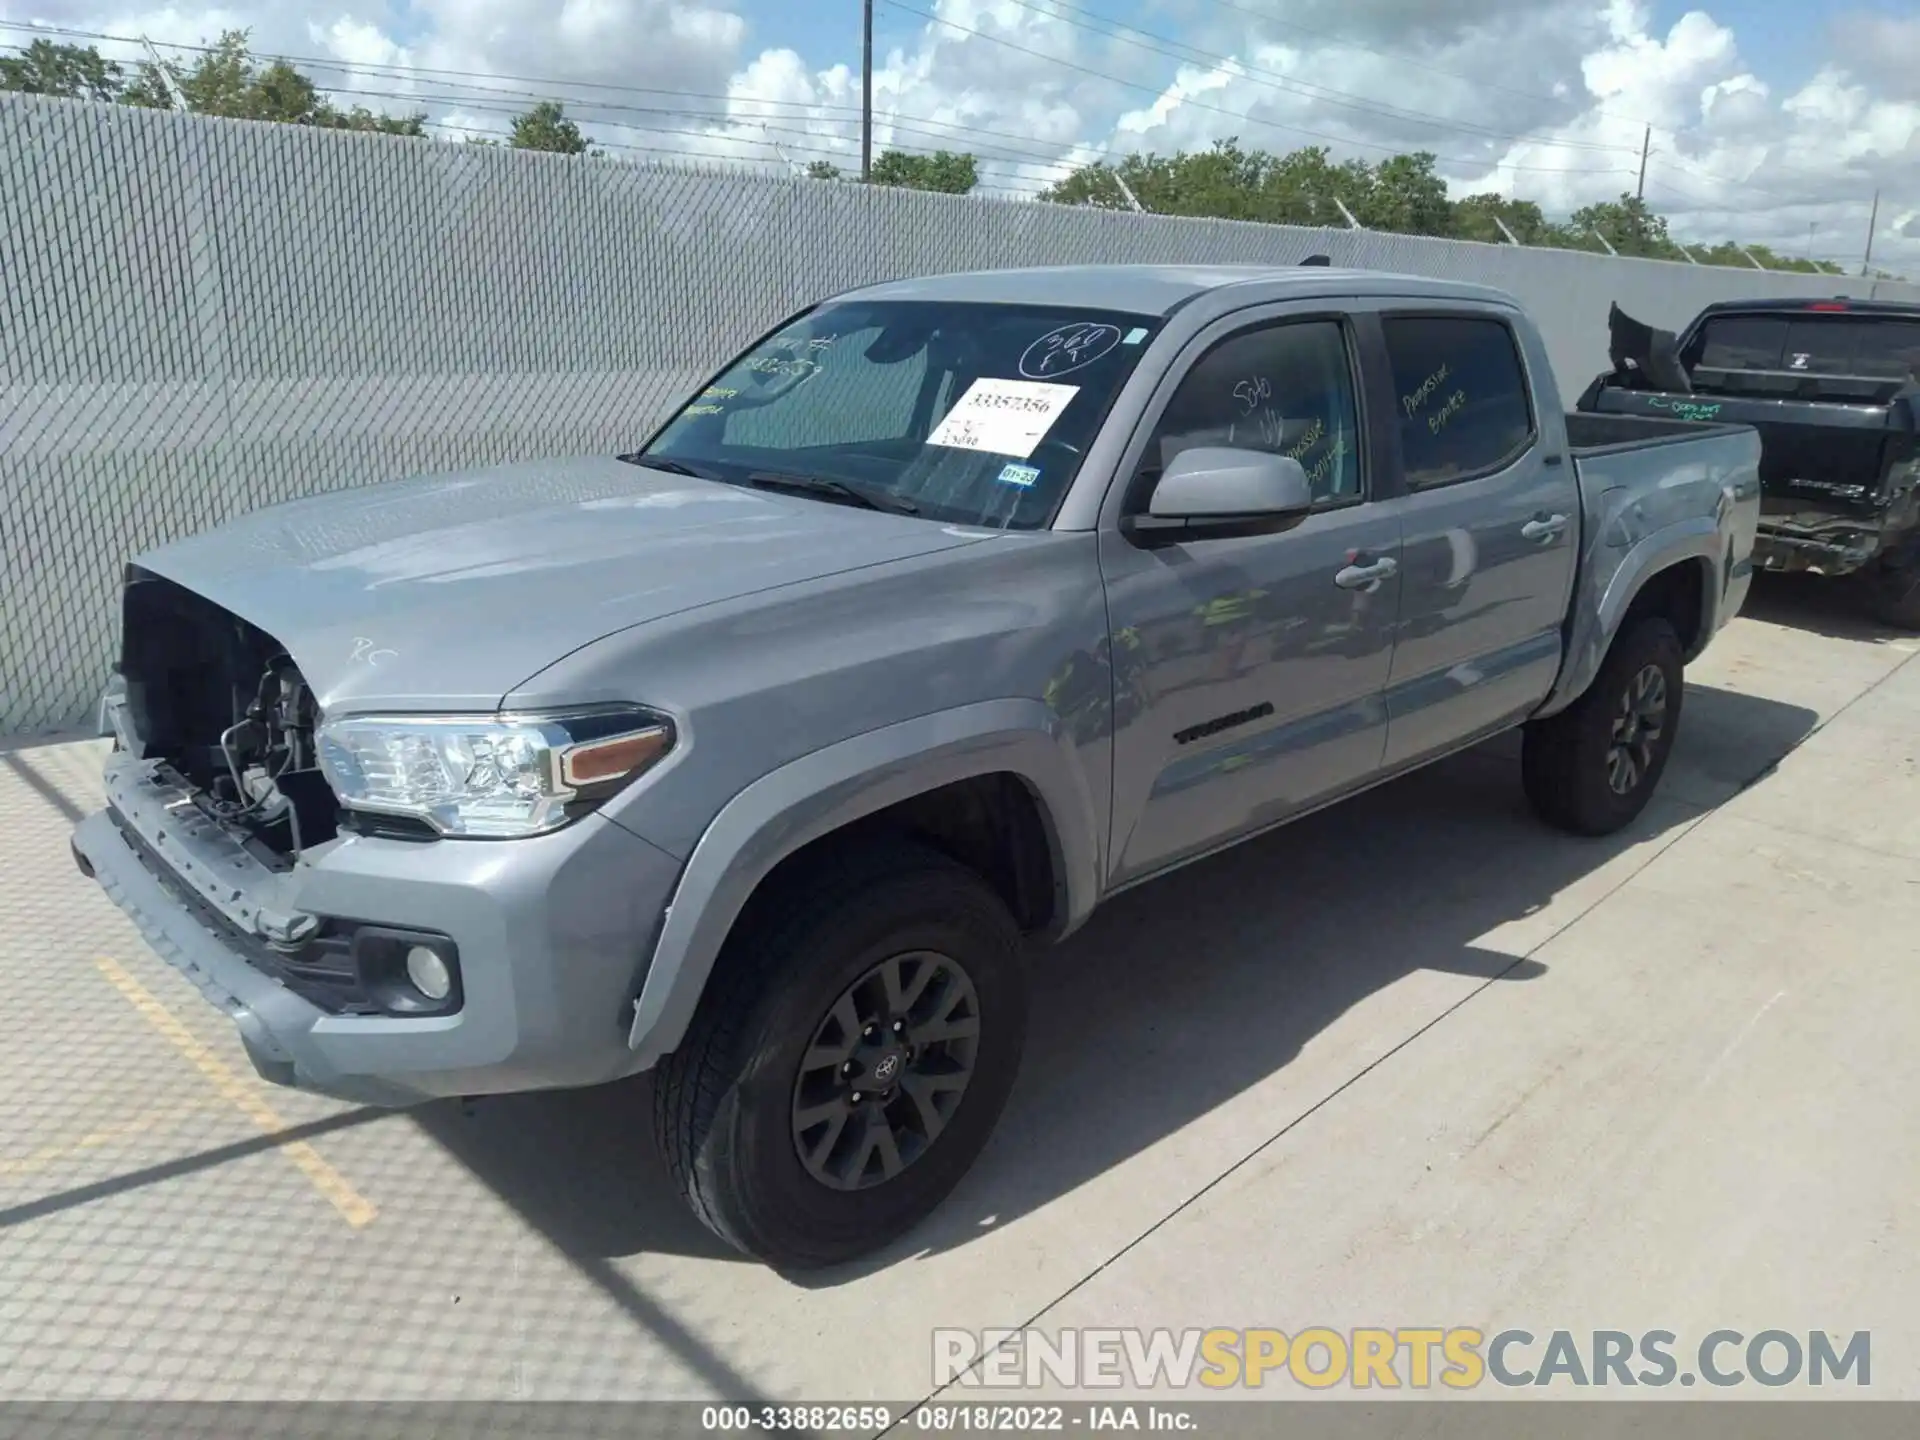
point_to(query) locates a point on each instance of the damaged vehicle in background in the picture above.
(1833, 387)
(763, 756)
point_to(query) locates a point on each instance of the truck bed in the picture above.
(1824, 466)
(1594, 434)
(1645, 479)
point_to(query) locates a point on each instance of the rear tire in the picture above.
(764, 1137)
(1591, 769)
(1893, 591)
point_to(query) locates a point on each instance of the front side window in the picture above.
(1460, 396)
(1286, 389)
(965, 412)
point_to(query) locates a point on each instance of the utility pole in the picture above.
(866, 92)
(1873, 219)
(1646, 140)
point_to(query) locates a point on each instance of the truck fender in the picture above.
(1597, 619)
(819, 793)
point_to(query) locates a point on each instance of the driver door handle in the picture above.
(1365, 574)
(1544, 527)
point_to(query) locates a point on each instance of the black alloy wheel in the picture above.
(852, 1052)
(886, 1069)
(1592, 768)
(1637, 730)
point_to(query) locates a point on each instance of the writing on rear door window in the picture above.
(1424, 391)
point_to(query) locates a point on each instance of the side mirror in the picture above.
(1213, 492)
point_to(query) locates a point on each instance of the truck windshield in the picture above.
(962, 412)
(1852, 345)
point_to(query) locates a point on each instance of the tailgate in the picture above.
(1810, 451)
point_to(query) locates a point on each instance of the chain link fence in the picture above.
(202, 317)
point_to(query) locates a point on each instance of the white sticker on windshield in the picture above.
(1003, 417)
(1135, 335)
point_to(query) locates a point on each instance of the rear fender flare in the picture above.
(1595, 626)
(818, 794)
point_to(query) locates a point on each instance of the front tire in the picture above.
(1591, 769)
(853, 1051)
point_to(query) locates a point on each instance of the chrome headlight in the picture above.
(488, 776)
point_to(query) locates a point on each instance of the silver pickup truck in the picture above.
(761, 756)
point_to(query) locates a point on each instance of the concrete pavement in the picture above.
(1414, 1061)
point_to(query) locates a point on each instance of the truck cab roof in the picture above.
(1835, 305)
(1162, 289)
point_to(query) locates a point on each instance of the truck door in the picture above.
(1249, 670)
(1490, 529)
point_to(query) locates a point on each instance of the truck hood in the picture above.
(447, 591)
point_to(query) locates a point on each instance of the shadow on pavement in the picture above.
(1835, 608)
(1176, 997)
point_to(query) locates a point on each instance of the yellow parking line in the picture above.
(356, 1208)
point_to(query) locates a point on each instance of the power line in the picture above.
(1665, 131)
(464, 103)
(459, 79)
(691, 159)
(1156, 92)
(1402, 59)
(911, 124)
(395, 70)
(1289, 84)
(468, 103)
(1351, 101)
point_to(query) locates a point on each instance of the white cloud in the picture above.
(1033, 93)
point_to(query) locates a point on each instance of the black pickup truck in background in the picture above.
(1833, 387)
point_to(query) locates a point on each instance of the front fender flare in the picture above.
(1603, 598)
(812, 796)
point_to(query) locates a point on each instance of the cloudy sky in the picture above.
(1771, 120)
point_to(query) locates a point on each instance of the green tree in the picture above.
(546, 127)
(1222, 182)
(1475, 217)
(1305, 187)
(1630, 225)
(823, 170)
(1090, 185)
(227, 80)
(944, 171)
(76, 72)
(1742, 257)
(1407, 198)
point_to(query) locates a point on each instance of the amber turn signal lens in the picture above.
(610, 759)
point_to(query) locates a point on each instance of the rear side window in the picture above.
(1743, 342)
(1863, 346)
(1460, 396)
